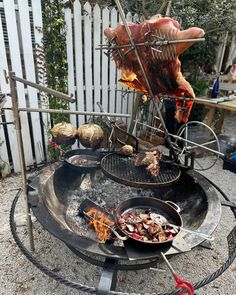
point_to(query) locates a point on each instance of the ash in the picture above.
(103, 191)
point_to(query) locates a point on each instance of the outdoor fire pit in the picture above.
(57, 192)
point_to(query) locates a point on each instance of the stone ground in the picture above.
(19, 276)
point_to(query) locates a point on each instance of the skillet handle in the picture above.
(62, 158)
(122, 238)
(173, 205)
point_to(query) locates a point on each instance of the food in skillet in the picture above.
(147, 226)
(150, 159)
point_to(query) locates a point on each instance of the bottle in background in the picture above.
(215, 89)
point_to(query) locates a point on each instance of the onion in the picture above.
(127, 150)
(90, 135)
(64, 133)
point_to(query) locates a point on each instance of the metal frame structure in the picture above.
(12, 79)
(15, 108)
(108, 281)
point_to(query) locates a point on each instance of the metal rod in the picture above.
(183, 139)
(196, 144)
(145, 77)
(153, 43)
(203, 144)
(29, 110)
(167, 262)
(6, 123)
(21, 155)
(44, 89)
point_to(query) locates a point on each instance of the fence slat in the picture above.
(119, 97)
(70, 62)
(129, 17)
(4, 89)
(88, 56)
(136, 18)
(38, 35)
(13, 38)
(8, 114)
(129, 96)
(113, 70)
(79, 59)
(104, 69)
(30, 75)
(124, 101)
(97, 55)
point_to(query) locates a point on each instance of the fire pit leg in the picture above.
(109, 277)
(207, 245)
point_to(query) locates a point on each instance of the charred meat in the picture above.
(161, 63)
(146, 229)
(150, 159)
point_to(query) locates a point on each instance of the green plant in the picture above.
(4, 167)
(54, 154)
(54, 42)
(55, 62)
(200, 87)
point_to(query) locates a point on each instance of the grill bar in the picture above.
(122, 169)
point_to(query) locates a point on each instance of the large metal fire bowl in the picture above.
(52, 189)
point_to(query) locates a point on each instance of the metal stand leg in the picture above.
(21, 156)
(109, 277)
(207, 244)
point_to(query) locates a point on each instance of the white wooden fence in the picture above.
(92, 76)
(17, 54)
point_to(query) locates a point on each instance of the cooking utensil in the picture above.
(139, 203)
(163, 221)
(187, 287)
(123, 238)
(122, 169)
(165, 209)
(83, 160)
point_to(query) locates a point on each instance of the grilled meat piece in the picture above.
(161, 63)
(150, 159)
(147, 230)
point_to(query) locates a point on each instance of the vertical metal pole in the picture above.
(21, 155)
(134, 47)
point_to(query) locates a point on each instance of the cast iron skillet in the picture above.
(151, 204)
(83, 160)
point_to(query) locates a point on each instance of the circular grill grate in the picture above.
(122, 169)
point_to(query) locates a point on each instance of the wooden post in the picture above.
(21, 155)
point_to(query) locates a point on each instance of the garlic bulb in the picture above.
(90, 135)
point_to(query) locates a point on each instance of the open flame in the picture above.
(98, 222)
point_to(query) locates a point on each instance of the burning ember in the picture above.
(99, 221)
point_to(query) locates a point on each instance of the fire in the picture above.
(99, 223)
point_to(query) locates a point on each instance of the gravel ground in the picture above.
(19, 276)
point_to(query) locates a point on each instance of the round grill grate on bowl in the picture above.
(122, 169)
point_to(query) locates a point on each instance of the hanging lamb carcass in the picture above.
(161, 63)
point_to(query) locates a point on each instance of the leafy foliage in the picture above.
(215, 17)
(54, 41)
(4, 167)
